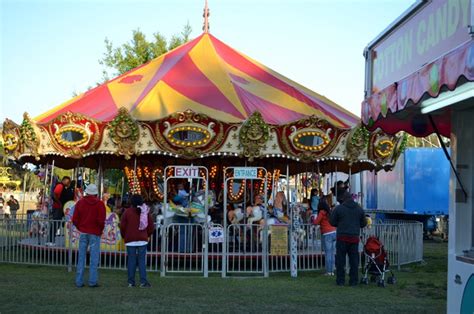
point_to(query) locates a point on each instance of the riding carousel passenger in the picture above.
(255, 212)
(234, 213)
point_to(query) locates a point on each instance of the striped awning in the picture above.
(206, 76)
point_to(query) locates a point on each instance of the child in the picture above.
(183, 196)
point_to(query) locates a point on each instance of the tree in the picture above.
(139, 51)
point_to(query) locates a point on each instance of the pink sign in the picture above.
(437, 28)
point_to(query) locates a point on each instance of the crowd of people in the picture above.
(339, 224)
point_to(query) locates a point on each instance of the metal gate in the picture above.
(185, 242)
(245, 246)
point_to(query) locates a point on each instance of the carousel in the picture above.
(215, 121)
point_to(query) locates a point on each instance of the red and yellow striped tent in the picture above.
(206, 76)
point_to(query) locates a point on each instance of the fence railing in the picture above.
(54, 243)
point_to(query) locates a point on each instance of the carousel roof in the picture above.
(206, 76)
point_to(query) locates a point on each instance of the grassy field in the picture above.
(420, 288)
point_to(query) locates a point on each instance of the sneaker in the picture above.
(94, 286)
(131, 285)
(145, 285)
(327, 274)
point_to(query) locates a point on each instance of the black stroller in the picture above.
(376, 263)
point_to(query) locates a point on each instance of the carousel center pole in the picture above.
(292, 227)
(43, 197)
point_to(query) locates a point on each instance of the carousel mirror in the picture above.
(189, 136)
(72, 136)
(384, 148)
(311, 141)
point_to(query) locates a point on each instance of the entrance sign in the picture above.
(246, 173)
(186, 172)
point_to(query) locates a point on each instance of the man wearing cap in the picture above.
(89, 219)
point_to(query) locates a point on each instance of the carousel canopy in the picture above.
(202, 100)
(206, 76)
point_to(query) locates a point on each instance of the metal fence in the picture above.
(182, 247)
(402, 241)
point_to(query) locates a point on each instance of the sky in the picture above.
(50, 49)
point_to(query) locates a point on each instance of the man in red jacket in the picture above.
(89, 219)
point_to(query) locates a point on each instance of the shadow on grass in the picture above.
(420, 288)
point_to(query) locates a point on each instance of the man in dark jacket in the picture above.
(89, 219)
(348, 218)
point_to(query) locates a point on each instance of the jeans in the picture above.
(136, 254)
(352, 250)
(329, 243)
(93, 242)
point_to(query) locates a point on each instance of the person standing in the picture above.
(329, 235)
(314, 201)
(136, 227)
(61, 195)
(14, 207)
(89, 219)
(348, 218)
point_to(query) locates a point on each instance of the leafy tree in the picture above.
(139, 50)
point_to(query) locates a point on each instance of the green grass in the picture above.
(420, 288)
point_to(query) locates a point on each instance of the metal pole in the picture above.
(24, 189)
(244, 205)
(296, 188)
(288, 198)
(206, 229)
(100, 179)
(224, 245)
(335, 185)
(43, 199)
(350, 179)
(69, 263)
(123, 187)
(265, 228)
(163, 229)
(291, 229)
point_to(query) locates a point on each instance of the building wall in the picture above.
(461, 211)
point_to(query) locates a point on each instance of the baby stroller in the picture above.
(376, 263)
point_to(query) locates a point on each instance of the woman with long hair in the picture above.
(329, 235)
(136, 227)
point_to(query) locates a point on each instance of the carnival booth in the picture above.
(431, 90)
(200, 125)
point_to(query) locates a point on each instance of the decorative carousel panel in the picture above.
(189, 134)
(356, 143)
(309, 138)
(124, 133)
(253, 135)
(382, 148)
(11, 138)
(29, 138)
(74, 135)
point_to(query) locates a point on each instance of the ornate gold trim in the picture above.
(253, 135)
(124, 132)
